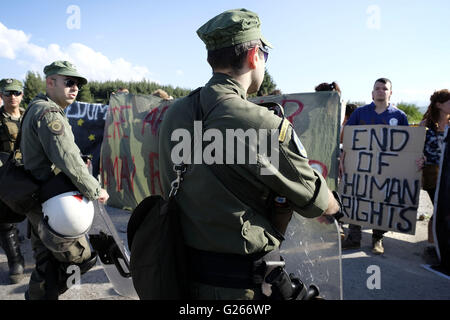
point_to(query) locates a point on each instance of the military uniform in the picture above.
(48, 143)
(215, 218)
(48, 146)
(9, 128)
(9, 235)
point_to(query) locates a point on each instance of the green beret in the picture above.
(230, 28)
(11, 85)
(64, 68)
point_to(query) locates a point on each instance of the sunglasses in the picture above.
(69, 83)
(10, 93)
(265, 52)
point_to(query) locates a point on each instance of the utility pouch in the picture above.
(158, 257)
(18, 190)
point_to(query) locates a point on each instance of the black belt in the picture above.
(229, 270)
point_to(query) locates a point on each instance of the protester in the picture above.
(328, 87)
(121, 90)
(380, 111)
(162, 94)
(226, 233)
(349, 108)
(11, 92)
(48, 143)
(275, 92)
(435, 119)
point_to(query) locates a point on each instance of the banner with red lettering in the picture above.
(316, 118)
(130, 159)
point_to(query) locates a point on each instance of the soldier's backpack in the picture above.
(18, 189)
(158, 261)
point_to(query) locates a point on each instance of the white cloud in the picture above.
(11, 41)
(90, 63)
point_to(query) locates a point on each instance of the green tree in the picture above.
(99, 92)
(412, 112)
(267, 86)
(33, 85)
(85, 94)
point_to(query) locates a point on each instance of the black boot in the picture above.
(9, 240)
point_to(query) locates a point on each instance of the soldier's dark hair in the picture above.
(231, 57)
(384, 80)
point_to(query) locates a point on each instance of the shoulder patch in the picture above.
(283, 130)
(56, 127)
(301, 149)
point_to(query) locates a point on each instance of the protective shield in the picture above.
(113, 255)
(312, 252)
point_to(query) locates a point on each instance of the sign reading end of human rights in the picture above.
(381, 185)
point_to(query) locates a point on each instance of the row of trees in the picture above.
(99, 92)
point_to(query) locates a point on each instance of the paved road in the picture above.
(401, 273)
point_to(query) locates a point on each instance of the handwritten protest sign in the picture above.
(129, 166)
(315, 117)
(381, 185)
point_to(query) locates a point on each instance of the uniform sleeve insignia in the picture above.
(56, 127)
(283, 130)
(301, 149)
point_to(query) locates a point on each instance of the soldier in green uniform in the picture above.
(11, 92)
(48, 147)
(229, 221)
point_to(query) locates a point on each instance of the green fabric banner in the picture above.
(129, 156)
(316, 118)
(130, 160)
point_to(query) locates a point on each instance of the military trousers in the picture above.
(77, 253)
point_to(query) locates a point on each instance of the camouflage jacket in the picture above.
(9, 128)
(214, 218)
(48, 142)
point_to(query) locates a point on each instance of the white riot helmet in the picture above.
(67, 217)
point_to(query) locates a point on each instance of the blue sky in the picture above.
(352, 42)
